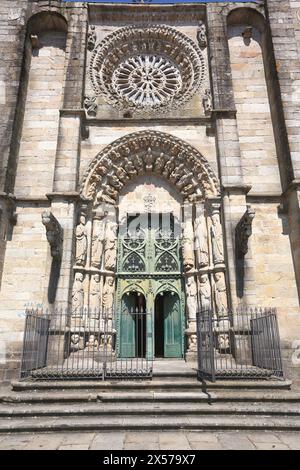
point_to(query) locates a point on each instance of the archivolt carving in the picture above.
(146, 68)
(148, 152)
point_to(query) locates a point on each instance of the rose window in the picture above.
(147, 81)
(147, 68)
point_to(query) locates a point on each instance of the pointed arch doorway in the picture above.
(149, 266)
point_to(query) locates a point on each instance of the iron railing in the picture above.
(242, 343)
(58, 345)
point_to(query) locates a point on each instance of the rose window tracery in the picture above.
(147, 68)
(147, 81)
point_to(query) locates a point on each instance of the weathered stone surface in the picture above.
(225, 133)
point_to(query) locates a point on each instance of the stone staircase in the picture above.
(170, 401)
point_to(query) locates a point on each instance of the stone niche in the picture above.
(149, 68)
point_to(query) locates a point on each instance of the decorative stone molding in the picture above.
(149, 152)
(54, 234)
(243, 231)
(201, 34)
(92, 38)
(90, 105)
(8, 214)
(207, 101)
(146, 69)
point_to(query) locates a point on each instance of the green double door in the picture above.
(162, 327)
(149, 279)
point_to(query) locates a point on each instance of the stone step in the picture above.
(231, 396)
(130, 396)
(156, 383)
(153, 422)
(146, 408)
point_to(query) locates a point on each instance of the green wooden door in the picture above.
(172, 326)
(127, 327)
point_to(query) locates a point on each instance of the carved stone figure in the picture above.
(114, 181)
(201, 245)
(81, 242)
(205, 292)
(207, 101)
(95, 289)
(77, 343)
(149, 159)
(220, 293)
(108, 294)
(98, 238)
(121, 173)
(223, 341)
(169, 166)
(159, 163)
(217, 238)
(201, 34)
(54, 233)
(90, 105)
(92, 37)
(77, 295)
(177, 173)
(192, 343)
(185, 180)
(188, 246)
(191, 298)
(106, 342)
(110, 250)
(243, 231)
(138, 163)
(92, 344)
(129, 167)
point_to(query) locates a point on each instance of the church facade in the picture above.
(150, 163)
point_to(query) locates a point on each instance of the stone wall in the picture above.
(36, 159)
(257, 144)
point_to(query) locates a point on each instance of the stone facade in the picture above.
(108, 109)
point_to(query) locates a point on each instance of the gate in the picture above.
(59, 346)
(34, 344)
(238, 344)
(205, 346)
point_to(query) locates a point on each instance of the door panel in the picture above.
(127, 327)
(172, 326)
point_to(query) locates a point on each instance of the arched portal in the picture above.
(150, 224)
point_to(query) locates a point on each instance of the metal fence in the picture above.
(243, 344)
(57, 345)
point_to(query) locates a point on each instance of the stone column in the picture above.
(228, 148)
(191, 294)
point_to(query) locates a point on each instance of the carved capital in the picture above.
(54, 233)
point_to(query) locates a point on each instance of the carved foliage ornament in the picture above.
(146, 68)
(148, 152)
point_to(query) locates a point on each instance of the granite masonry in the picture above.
(109, 110)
